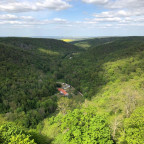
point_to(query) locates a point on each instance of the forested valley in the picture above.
(106, 106)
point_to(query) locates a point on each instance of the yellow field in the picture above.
(67, 40)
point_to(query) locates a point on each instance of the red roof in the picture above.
(62, 91)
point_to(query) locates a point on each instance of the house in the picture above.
(62, 91)
(66, 86)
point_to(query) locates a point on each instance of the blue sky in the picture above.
(71, 18)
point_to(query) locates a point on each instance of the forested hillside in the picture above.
(111, 78)
(93, 42)
(94, 68)
(36, 43)
(109, 73)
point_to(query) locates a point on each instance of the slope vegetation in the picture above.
(109, 74)
(111, 77)
(28, 76)
(93, 42)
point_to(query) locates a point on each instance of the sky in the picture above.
(71, 18)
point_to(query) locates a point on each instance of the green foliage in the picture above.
(26, 82)
(32, 44)
(65, 104)
(21, 139)
(12, 134)
(134, 128)
(121, 59)
(110, 73)
(23, 87)
(39, 138)
(84, 127)
(92, 42)
(48, 52)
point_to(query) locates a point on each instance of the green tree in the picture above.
(134, 128)
(12, 134)
(85, 127)
(21, 139)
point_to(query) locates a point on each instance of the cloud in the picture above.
(104, 19)
(8, 17)
(130, 4)
(117, 18)
(29, 20)
(99, 2)
(53, 4)
(37, 5)
(118, 4)
(14, 17)
(10, 22)
(112, 19)
(26, 18)
(110, 14)
(119, 12)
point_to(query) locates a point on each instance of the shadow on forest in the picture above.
(40, 139)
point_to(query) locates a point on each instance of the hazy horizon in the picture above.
(71, 37)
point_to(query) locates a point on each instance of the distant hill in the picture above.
(92, 42)
(36, 43)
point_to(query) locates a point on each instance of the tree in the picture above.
(130, 101)
(21, 139)
(12, 134)
(85, 127)
(134, 128)
(65, 104)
